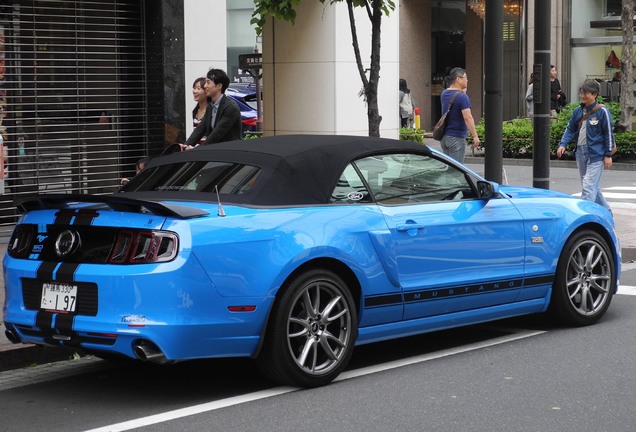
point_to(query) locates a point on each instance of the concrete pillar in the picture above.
(310, 78)
(205, 32)
(415, 55)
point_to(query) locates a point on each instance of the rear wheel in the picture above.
(585, 280)
(311, 332)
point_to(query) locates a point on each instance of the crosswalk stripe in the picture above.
(627, 290)
(623, 197)
(619, 195)
(623, 205)
(627, 188)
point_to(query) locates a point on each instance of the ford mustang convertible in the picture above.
(292, 250)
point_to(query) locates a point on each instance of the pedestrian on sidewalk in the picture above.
(407, 105)
(222, 119)
(460, 118)
(591, 129)
(530, 96)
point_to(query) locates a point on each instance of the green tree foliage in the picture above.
(277, 9)
(285, 10)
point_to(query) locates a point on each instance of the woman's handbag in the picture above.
(438, 130)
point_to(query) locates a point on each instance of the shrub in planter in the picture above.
(626, 143)
(518, 135)
(410, 134)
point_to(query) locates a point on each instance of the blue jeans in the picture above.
(591, 174)
(454, 147)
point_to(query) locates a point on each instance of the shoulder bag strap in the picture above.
(450, 104)
(590, 112)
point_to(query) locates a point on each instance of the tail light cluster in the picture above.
(140, 247)
(93, 244)
(20, 245)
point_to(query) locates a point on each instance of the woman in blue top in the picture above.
(460, 118)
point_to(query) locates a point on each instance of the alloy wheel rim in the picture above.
(588, 278)
(319, 328)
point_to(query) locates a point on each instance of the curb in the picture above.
(478, 157)
(23, 355)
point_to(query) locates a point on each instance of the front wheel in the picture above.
(311, 332)
(585, 280)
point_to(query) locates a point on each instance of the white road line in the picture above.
(195, 409)
(237, 400)
(628, 266)
(627, 188)
(626, 290)
(616, 195)
(436, 355)
(622, 205)
(611, 193)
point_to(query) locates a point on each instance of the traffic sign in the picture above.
(251, 61)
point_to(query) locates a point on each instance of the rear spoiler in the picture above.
(114, 202)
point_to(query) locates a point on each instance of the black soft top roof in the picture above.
(296, 169)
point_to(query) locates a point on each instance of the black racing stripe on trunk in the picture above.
(66, 272)
(84, 218)
(45, 270)
(64, 323)
(64, 217)
(44, 321)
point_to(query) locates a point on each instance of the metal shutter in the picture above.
(73, 96)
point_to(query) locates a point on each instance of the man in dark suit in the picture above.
(222, 119)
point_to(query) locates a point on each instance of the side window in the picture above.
(350, 189)
(412, 178)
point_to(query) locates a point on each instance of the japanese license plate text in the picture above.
(59, 297)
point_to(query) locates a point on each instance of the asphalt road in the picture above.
(520, 375)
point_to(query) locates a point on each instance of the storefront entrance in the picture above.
(73, 97)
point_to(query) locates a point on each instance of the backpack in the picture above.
(406, 105)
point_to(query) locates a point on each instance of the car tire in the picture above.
(585, 280)
(311, 331)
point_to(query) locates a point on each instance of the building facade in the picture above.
(87, 87)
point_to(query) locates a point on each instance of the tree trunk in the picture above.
(373, 111)
(370, 84)
(627, 94)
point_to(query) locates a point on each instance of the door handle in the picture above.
(409, 226)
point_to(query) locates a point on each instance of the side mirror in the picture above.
(487, 190)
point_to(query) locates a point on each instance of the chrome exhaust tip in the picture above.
(13, 338)
(147, 351)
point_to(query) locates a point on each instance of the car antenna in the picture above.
(221, 212)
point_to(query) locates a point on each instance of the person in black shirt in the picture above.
(557, 97)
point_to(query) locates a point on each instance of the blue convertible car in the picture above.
(294, 249)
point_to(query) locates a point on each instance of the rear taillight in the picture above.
(20, 244)
(141, 247)
(250, 121)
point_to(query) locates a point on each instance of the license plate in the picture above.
(59, 297)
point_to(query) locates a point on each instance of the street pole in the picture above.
(541, 95)
(493, 86)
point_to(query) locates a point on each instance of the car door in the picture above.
(453, 250)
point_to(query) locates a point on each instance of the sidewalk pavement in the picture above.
(13, 356)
